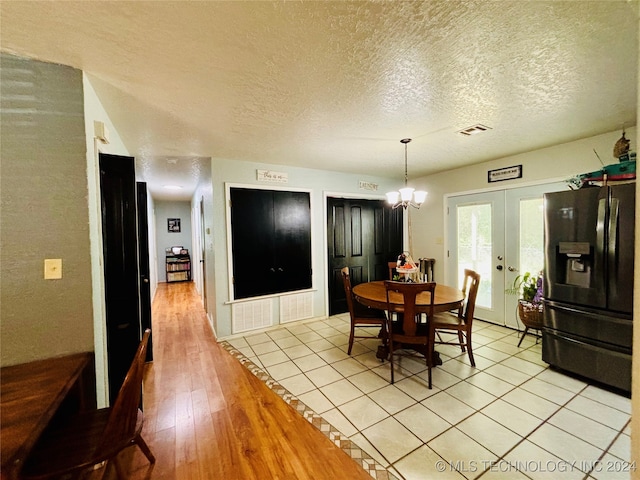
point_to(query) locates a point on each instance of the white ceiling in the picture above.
(336, 84)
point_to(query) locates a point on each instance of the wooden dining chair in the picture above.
(75, 446)
(409, 333)
(392, 269)
(361, 315)
(458, 323)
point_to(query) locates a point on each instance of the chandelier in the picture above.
(406, 196)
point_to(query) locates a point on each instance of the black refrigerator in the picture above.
(588, 282)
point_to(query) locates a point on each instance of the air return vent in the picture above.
(474, 130)
(296, 307)
(251, 315)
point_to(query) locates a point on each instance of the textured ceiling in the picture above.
(336, 84)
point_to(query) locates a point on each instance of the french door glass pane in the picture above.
(531, 236)
(474, 247)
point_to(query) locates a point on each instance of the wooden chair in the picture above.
(392, 269)
(459, 323)
(409, 332)
(426, 268)
(75, 446)
(361, 316)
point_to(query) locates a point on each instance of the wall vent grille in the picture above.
(296, 307)
(251, 315)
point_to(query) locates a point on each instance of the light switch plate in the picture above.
(52, 268)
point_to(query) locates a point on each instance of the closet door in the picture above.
(252, 241)
(271, 241)
(291, 269)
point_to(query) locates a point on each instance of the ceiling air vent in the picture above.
(474, 130)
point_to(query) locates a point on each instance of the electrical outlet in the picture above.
(52, 268)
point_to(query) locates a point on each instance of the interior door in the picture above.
(143, 264)
(120, 251)
(363, 235)
(202, 255)
(500, 235)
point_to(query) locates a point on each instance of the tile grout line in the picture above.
(492, 340)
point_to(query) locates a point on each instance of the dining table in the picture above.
(374, 294)
(31, 395)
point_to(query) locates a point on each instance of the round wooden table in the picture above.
(373, 294)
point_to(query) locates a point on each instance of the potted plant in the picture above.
(530, 307)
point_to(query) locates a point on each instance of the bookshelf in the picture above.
(178, 268)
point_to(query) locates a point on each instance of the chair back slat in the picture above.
(470, 289)
(407, 308)
(124, 412)
(346, 280)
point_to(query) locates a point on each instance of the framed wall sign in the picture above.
(507, 173)
(173, 225)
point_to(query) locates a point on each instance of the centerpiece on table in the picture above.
(405, 268)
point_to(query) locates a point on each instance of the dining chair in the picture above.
(75, 446)
(361, 315)
(409, 332)
(458, 323)
(392, 269)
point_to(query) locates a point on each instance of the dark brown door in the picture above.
(143, 264)
(271, 241)
(120, 251)
(363, 235)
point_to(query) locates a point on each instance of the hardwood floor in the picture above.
(207, 417)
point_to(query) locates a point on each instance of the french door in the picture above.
(500, 235)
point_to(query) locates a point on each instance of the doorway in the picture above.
(363, 235)
(121, 268)
(499, 234)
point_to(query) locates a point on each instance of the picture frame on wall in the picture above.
(173, 225)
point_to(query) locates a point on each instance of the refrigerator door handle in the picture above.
(600, 231)
(613, 242)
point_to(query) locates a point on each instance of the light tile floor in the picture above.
(509, 417)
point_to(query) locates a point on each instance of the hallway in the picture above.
(207, 417)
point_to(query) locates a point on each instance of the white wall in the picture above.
(555, 163)
(318, 181)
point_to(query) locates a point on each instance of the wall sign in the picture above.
(368, 186)
(508, 173)
(173, 225)
(273, 177)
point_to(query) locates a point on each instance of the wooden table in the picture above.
(30, 395)
(373, 294)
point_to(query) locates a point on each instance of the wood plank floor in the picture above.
(207, 417)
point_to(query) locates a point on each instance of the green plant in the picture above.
(527, 286)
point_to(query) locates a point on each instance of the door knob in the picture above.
(499, 267)
(512, 269)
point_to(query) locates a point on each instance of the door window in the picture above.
(500, 235)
